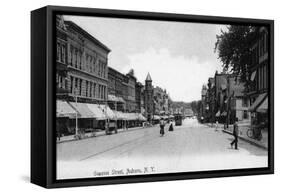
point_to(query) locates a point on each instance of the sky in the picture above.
(178, 55)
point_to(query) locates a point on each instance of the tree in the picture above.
(234, 49)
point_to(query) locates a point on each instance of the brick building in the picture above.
(161, 101)
(115, 90)
(211, 100)
(86, 66)
(139, 97)
(131, 84)
(238, 104)
(148, 98)
(61, 58)
(259, 70)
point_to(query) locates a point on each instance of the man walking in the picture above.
(162, 125)
(235, 134)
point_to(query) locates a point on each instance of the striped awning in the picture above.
(263, 106)
(218, 113)
(258, 102)
(253, 75)
(98, 113)
(107, 112)
(82, 109)
(156, 117)
(63, 109)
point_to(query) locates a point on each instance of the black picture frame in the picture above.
(43, 141)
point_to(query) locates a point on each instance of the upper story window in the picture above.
(61, 52)
(244, 102)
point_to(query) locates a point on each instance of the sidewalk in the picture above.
(243, 127)
(96, 134)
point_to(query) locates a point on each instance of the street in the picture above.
(190, 147)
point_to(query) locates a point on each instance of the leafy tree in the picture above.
(234, 49)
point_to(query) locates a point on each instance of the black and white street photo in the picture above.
(137, 97)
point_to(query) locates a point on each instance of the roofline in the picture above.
(85, 33)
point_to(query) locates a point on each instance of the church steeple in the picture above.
(148, 77)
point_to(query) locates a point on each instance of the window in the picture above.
(76, 86)
(94, 95)
(93, 64)
(101, 92)
(244, 102)
(74, 57)
(71, 55)
(63, 54)
(71, 84)
(78, 59)
(245, 114)
(80, 87)
(86, 88)
(265, 42)
(91, 89)
(58, 51)
(266, 77)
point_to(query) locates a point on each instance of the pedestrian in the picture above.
(58, 126)
(171, 128)
(217, 125)
(162, 125)
(235, 134)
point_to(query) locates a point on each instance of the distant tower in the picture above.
(148, 98)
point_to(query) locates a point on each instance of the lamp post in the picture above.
(76, 114)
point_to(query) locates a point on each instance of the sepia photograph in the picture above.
(142, 96)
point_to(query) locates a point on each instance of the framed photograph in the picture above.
(126, 96)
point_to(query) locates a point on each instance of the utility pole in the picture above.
(76, 114)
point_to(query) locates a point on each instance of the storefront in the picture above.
(86, 118)
(64, 113)
(259, 110)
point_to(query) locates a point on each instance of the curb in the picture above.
(247, 140)
(100, 134)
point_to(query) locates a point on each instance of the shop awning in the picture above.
(264, 106)
(107, 112)
(141, 117)
(64, 110)
(115, 99)
(98, 113)
(257, 103)
(120, 115)
(218, 113)
(171, 116)
(120, 99)
(156, 117)
(82, 109)
(227, 99)
(131, 116)
(112, 98)
(253, 75)
(223, 86)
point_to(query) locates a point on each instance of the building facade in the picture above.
(204, 105)
(161, 101)
(148, 98)
(61, 58)
(115, 90)
(211, 100)
(239, 103)
(258, 77)
(131, 101)
(139, 97)
(87, 72)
